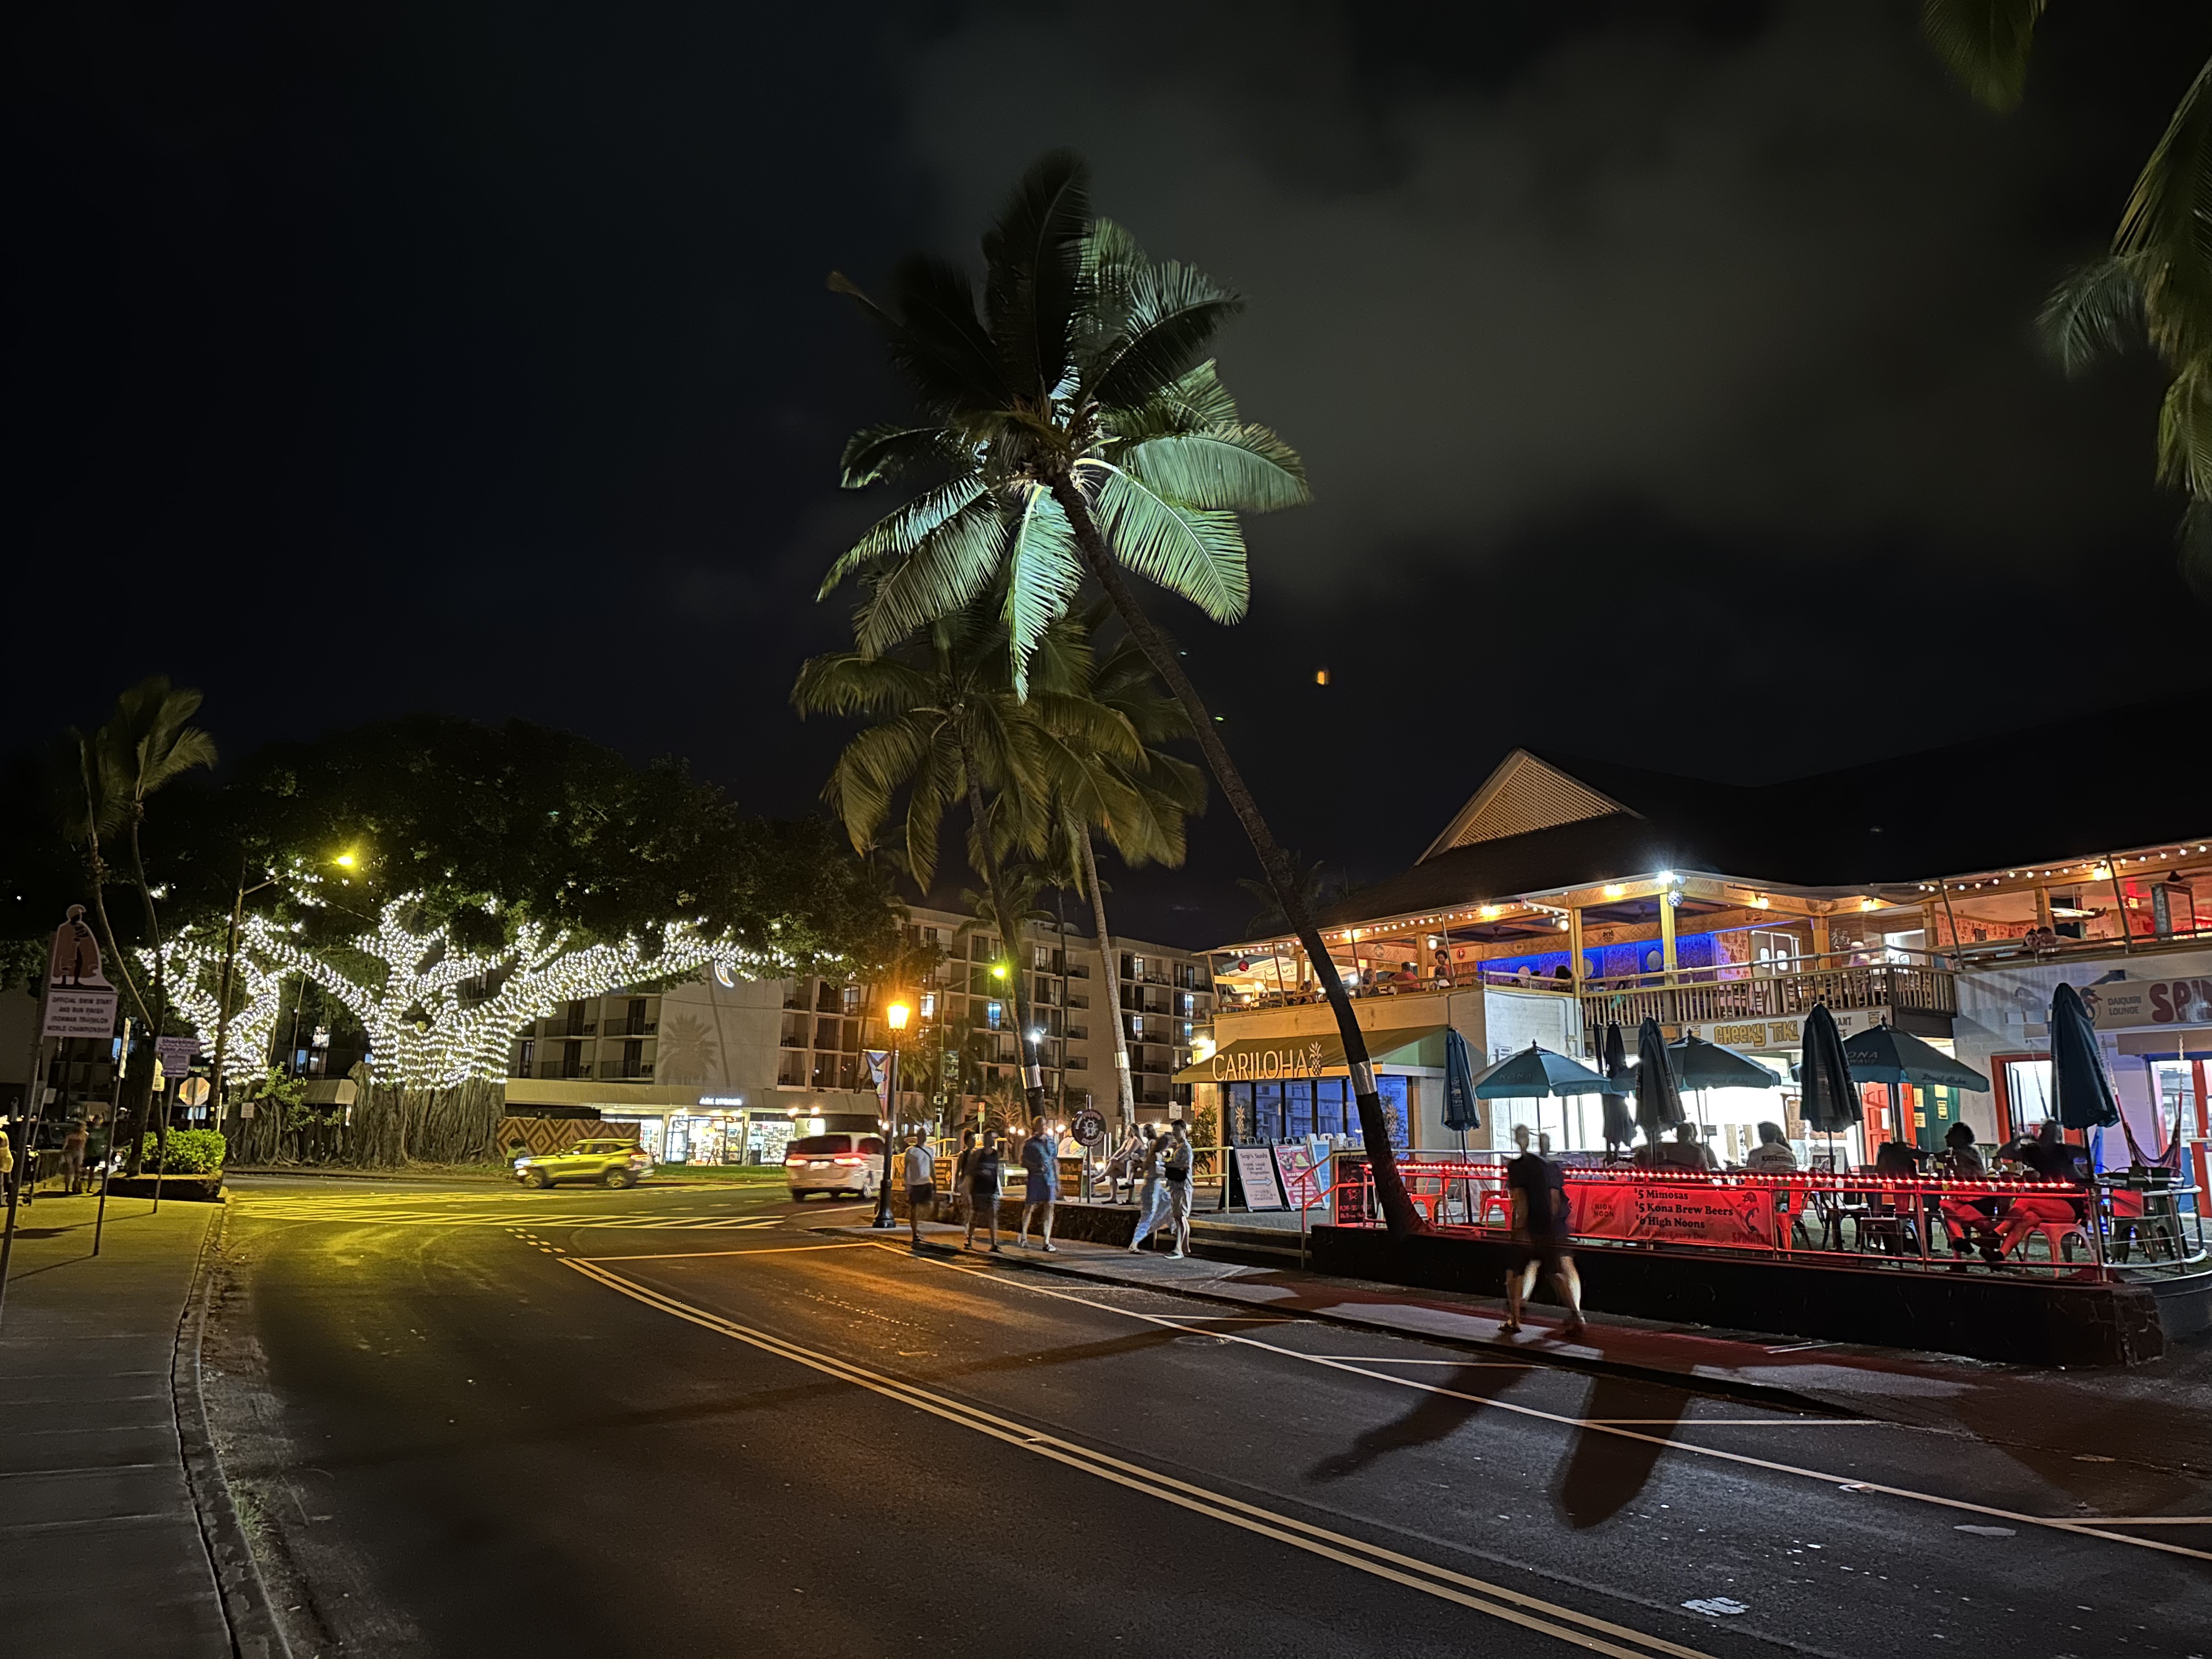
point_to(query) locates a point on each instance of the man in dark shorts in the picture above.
(1540, 1237)
(983, 1189)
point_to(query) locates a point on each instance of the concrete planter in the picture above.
(1983, 1315)
(185, 1189)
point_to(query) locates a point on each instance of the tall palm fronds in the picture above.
(2156, 283)
(949, 730)
(1074, 428)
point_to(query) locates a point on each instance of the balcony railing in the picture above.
(1905, 981)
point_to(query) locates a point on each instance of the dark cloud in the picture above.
(1665, 370)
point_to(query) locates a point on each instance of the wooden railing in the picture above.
(1753, 991)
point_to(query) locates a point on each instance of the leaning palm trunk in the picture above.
(1398, 1212)
(1010, 928)
(1110, 958)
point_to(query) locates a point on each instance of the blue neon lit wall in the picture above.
(1613, 961)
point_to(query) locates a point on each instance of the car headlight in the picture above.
(524, 1163)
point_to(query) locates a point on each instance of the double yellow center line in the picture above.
(1493, 1601)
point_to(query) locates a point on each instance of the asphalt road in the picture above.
(685, 1421)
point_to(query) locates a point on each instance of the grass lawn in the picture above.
(741, 1174)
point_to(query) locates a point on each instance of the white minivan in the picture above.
(834, 1163)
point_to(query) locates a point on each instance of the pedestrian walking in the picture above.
(1128, 1163)
(1540, 1236)
(7, 1158)
(1174, 1171)
(1041, 1173)
(1151, 1202)
(963, 1205)
(73, 1144)
(983, 1189)
(920, 1185)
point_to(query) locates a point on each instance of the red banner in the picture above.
(1672, 1211)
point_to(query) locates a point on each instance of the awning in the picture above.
(1313, 1053)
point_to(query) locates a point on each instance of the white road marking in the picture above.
(1531, 1613)
(2089, 1526)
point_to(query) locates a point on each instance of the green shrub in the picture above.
(192, 1151)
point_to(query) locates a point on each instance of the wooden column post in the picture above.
(1575, 971)
(1667, 932)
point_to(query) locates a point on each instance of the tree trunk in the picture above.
(1113, 986)
(395, 1124)
(218, 1092)
(1398, 1211)
(1010, 930)
(160, 1021)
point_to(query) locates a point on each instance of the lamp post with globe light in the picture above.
(894, 1016)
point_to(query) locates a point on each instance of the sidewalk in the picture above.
(101, 1545)
(2157, 1409)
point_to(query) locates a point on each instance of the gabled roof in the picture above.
(2094, 783)
(1522, 793)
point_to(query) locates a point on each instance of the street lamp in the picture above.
(896, 1018)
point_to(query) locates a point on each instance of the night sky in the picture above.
(1665, 373)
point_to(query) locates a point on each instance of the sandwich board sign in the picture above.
(80, 1002)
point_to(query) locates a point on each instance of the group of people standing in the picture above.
(1158, 1162)
(978, 1173)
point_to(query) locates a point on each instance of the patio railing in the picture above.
(1919, 1223)
(1907, 982)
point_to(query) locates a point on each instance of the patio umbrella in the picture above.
(1699, 1064)
(1619, 1126)
(1534, 1073)
(1830, 1102)
(1658, 1102)
(1885, 1054)
(1460, 1112)
(2077, 1072)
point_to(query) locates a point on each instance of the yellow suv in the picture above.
(609, 1162)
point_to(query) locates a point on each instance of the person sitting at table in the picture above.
(1772, 1155)
(1689, 1151)
(1970, 1222)
(2048, 1158)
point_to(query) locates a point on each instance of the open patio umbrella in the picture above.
(1619, 1126)
(1830, 1101)
(1658, 1102)
(1534, 1073)
(1699, 1065)
(2083, 1093)
(1885, 1055)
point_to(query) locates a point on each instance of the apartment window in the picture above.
(929, 1005)
(851, 997)
(995, 1015)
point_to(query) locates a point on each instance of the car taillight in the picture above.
(793, 1158)
(849, 1160)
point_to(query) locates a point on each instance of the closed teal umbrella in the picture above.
(2084, 1093)
(1658, 1101)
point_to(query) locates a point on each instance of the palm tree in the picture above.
(1139, 806)
(1271, 918)
(1075, 430)
(950, 729)
(147, 744)
(2157, 279)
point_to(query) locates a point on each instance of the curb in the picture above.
(1757, 1393)
(254, 1630)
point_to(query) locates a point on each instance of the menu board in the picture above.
(1255, 1172)
(1660, 1211)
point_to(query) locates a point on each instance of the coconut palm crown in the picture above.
(1085, 373)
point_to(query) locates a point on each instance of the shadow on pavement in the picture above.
(1604, 1471)
(1434, 1417)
